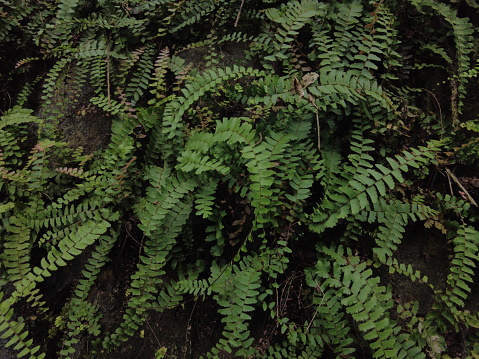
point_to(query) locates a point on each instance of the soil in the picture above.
(82, 125)
(184, 333)
(427, 251)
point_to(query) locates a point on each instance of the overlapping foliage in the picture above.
(319, 136)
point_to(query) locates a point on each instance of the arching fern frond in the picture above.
(167, 190)
(463, 32)
(366, 302)
(466, 248)
(140, 79)
(16, 249)
(331, 321)
(193, 91)
(168, 135)
(15, 330)
(394, 216)
(244, 282)
(67, 248)
(290, 18)
(81, 314)
(147, 279)
(13, 131)
(365, 186)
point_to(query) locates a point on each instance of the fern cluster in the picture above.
(297, 170)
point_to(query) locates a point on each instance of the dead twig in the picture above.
(464, 190)
(319, 290)
(239, 13)
(108, 75)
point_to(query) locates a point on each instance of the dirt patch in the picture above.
(185, 332)
(90, 130)
(425, 250)
(228, 54)
(77, 121)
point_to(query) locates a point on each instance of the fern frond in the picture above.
(165, 193)
(83, 318)
(291, 17)
(81, 314)
(16, 249)
(189, 14)
(66, 9)
(261, 162)
(13, 132)
(345, 34)
(62, 214)
(195, 161)
(26, 91)
(67, 248)
(148, 278)
(168, 136)
(158, 85)
(394, 216)
(14, 330)
(74, 172)
(407, 270)
(366, 187)
(340, 87)
(193, 91)
(53, 77)
(140, 79)
(463, 32)
(245, 279)
(107, 104)
(367, 303)
(460, 278)
(146, 7)
(205, 199)
(332, 324)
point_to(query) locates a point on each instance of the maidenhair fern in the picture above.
(460, 276)
(290, 18)
(394, 217)
(243, 283)
(365, 301)
(361, 185)
(278, 189)
(463, 31)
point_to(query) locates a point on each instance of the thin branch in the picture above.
(239, 13)
(466, 193)
(108, 75)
